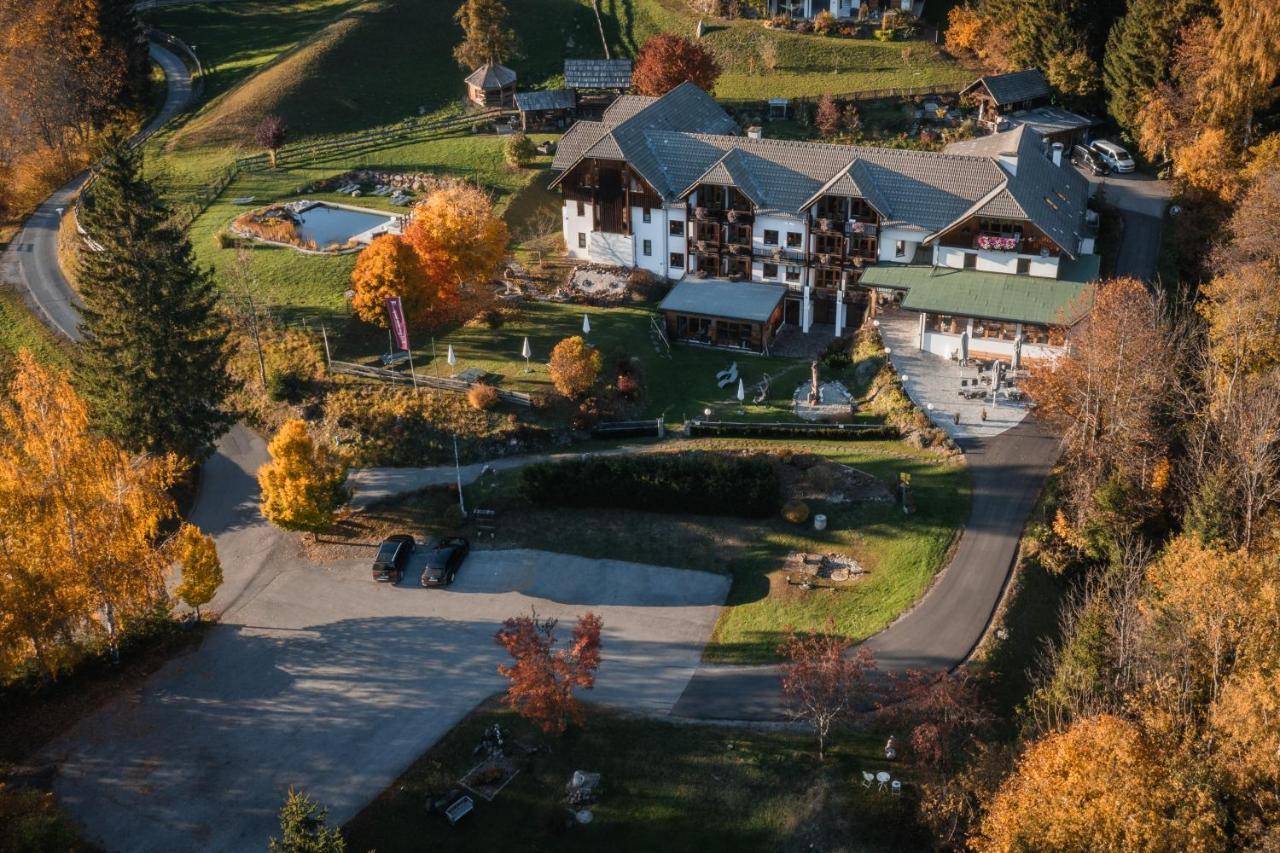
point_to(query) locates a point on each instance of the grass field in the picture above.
(902, 553)
(665, 787)
(19, 328)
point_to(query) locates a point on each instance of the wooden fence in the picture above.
(438, 383)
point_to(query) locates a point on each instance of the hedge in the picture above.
(702, 483)
(838, 432)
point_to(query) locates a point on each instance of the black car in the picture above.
(1087, 158)
(443, 561)
(393, 556)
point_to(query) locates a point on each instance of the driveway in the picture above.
(1141, 200)
(321, 679)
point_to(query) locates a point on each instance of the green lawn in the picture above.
(903, 553)
(20, 328)
(665, 787)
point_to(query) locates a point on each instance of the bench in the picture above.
(461, 808)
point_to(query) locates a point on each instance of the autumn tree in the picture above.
(460, 241)
(822, 683)
(271, 134)
(543, 679)
(667, 60)
(389, 266)
(485, 34)
(201, 569)
(1139, 52)
(79, 511)
(1074, 75)
(302, 485)
(304, 828)
(575, 365)
(943, 713)
(964, 30)
(827, 118)
(152, 365)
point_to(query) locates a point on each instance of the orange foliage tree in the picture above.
(1099, 785)
(543, 679)
(461, 243)
(964, 30)
(667, 60)
(389, 266)
(574, 366)
(821, 681)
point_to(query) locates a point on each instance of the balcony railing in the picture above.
(998, 242)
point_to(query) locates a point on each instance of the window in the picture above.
(971, 260)
(794, 238)
(770, 237)
(647, 248)
(676, 228)
(582, 209)
(769, 271)
(793, 273)
(1024, 266)
(648, 217)
(677, 260)
(900, 249)
(582, 240)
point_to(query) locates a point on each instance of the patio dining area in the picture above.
(986, 399)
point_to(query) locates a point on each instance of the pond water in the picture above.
(328, 225)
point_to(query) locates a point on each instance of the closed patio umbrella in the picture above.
(586, 325)
(742, 391)
(526, 351)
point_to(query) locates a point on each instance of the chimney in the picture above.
(1056, 153)
(755, 132)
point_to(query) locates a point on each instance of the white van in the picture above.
(1113, 155)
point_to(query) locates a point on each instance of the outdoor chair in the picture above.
(867, 778)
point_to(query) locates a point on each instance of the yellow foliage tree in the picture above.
(575, 366)
(201, 568)
(1098, 786)
(79, 512)
(1209, 163)
(964, 30)
(389, 266)
(1242, 308)
(302, 485)
(1246, 738)
(460, 241)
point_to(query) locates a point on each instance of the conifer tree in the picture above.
(1139, 51)
(152, 365)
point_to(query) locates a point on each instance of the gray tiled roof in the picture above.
(597, 73)
(1014, 87)
(625, 107)
(491, 76)
(718, 297)
(991, 145)
(554, 99)
(1053, 197)
(577, 139)
(1048, 120)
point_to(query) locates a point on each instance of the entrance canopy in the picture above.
(729, 300)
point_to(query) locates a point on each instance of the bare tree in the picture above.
(822, 681)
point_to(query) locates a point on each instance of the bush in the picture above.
(628, 386)
(838, 432)
(796, 512)
(482, 396)
(823, 22)
(837, 354)
(702, 483)
(519, 150)
(226, 240)
(574, 366)
(885, 35)
(288, 386)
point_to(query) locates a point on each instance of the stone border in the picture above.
(309, 204)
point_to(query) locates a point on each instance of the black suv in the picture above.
(392, 557)
(1087, 158)
(443, 561)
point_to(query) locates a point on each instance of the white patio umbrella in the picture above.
(451, 358)
(742, 391)
(586, 325)
(526, 351)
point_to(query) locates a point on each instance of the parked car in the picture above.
(1087, 159)
(393, 556)
(443, 561)
(1116, 158)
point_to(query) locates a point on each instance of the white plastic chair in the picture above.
(867, 778)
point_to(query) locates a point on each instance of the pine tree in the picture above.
(152, 365)
(1139, 50)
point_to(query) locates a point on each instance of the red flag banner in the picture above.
(399, 329)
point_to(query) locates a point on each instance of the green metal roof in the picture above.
(731, 300)
(987, 295)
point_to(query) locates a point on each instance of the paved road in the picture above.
(319, 678)
(1008, 471)
(1142, 200)
(31, 260)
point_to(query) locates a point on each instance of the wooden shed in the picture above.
(492, 85)
(545, 110)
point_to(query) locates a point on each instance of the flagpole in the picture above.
(457, 467)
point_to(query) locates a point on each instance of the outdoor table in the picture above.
(883, 778)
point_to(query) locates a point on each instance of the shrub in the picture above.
(482, 396)
(226, 240)
(823, 22)
(885, 35)
(288, 386)
(703, 483)
(839, 432)
(628, 386)
(837, 354)
(519, 150)
(796, 512)
(574, 366)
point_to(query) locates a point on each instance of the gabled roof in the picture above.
(491, 75)
(991, 145)
(597, 73)
(554, 99)
(1014, 87)
(730, 171)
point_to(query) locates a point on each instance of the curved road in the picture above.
(31, 260)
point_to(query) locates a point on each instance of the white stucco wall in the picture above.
(573, 225)
(654, 231)
(988, 261)
(615, 249)
(888, 244)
